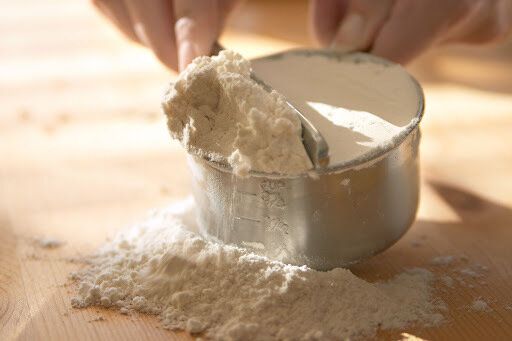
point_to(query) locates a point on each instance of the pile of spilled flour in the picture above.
(217, 111)
(162, 267)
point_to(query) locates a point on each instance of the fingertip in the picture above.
(193, 40)
(186, 53)
(325, 16)
(395, 45)
(392, 58)
(161, 47)
(151, 26)
(401, 56)
(408, 33)
(183, 29)
(166, 56)
(352, 31)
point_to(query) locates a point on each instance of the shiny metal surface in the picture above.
(325, 219)
(332, 221)
(314, 142)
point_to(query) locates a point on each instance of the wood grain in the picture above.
(84, 153)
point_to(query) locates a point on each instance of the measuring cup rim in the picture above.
(360, 161)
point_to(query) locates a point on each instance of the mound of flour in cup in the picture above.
(215, 108)
(161, 266)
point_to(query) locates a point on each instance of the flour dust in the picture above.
(161, 266)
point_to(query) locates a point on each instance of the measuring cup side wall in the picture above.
(334, 220)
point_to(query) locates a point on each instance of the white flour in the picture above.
(161, 267)
(447, 280)
(215, 108)
(443, 260)
(480, 305)
(360, 107)
(49, 242)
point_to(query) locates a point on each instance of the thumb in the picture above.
(197, 28)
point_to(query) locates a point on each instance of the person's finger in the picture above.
(325, 16)
(153, 24)
(116, 11)
(486, 22)
(197, 28)
(361, 23)
(409, 31)
(225, 8)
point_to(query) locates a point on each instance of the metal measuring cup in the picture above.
(329, 218)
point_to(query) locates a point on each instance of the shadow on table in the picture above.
(473, 209)
(482, 225)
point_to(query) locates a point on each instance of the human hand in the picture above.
(400, 30)
(176, 30)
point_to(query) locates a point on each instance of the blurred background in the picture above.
(83, 141)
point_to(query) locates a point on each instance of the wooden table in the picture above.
(84, 152)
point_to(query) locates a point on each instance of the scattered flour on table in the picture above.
(462, 269)
(443, 260)
(447, 280)
(215, 108)
(480, 305)
(161, 266)
(468, 272)
(49, 242)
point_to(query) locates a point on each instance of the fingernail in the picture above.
(351, 32)
(340, 48)
(187, 53)
(140, 32)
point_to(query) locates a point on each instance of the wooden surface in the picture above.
(84, 152)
